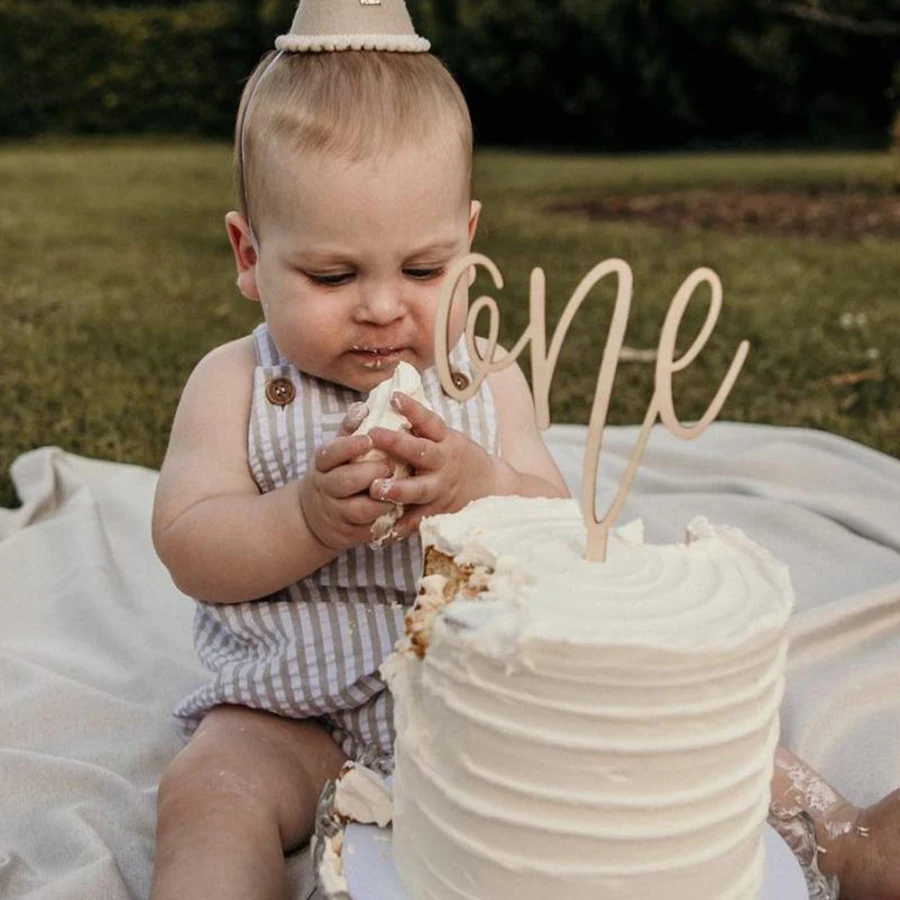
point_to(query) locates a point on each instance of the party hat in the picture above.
(321, 25)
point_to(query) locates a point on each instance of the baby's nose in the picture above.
(380, 304)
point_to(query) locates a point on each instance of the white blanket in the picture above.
(95, 642)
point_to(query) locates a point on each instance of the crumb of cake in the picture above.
(437, 563)
(382, 529)
(479, 581)
(443, 580)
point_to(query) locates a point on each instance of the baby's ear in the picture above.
(474, 215)
(245, 256)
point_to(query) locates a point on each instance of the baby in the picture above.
(354, 171)
(357, 187)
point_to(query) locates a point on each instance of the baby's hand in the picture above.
(449, 469)
(334, 494)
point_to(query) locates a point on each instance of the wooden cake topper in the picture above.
(543, 365)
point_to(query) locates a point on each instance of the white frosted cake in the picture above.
(586, 731)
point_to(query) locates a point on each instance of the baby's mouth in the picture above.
(377, 357)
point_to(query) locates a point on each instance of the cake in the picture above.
(582, 730)
(381, 414)
(358, 794)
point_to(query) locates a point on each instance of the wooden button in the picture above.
(460, 380)
(280, 391)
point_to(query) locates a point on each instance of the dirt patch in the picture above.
(813, 213)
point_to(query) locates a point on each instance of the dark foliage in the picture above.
(596, 74)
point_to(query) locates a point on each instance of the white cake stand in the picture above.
(371, 875)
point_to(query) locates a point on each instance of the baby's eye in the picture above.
(424, 274)
(330, 280)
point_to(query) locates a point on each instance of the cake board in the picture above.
(371, 875)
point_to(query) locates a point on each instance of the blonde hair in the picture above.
(352, 104)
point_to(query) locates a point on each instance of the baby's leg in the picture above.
(242, 793)
(860, 846)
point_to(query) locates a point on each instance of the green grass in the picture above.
(117, 277)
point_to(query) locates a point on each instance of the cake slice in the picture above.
(381, 414)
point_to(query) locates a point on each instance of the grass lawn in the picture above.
(117, 278)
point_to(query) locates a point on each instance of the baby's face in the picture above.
(353, 259)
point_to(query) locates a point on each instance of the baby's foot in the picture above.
(867, 861)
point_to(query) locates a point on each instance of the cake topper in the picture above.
(543, 365)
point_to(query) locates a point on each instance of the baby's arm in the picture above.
(223, 541)
(525, 466)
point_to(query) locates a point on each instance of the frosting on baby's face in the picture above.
(351, 264)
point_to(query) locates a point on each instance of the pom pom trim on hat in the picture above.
(399, 43)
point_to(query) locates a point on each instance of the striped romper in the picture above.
(312, 649)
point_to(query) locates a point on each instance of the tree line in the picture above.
(591, 74)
